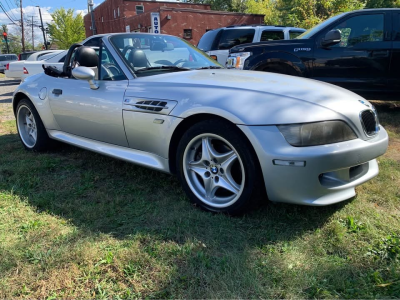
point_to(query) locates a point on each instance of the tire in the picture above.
(31, 130)
(226, 178)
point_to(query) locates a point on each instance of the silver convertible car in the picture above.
(232, 137)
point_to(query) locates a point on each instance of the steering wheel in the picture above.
(109, 75)
(126, 49)
(112, 68)
(180, 61)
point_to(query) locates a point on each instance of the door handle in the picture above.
(380, 53)
(57, 92)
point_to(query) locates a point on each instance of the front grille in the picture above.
(369, 122)
(151, 105)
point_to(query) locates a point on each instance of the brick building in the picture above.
(186, 20)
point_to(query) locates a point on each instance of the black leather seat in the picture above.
(138, 58)
(86, 57)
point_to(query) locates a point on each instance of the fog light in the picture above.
(289, 163)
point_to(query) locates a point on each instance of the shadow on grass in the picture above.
(103, 195)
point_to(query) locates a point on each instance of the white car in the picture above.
(16, 69)
(217, 42)
(55, 60)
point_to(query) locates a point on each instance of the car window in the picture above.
(359, 29)
(94, 42)
(209, 41)
(397, 30)
(271, 35)
(110, 69)
(3, 58)
(234, 37)
(62, 59)
(25, 56)
(147, 54)
(294, 34)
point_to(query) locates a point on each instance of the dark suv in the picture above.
(358, 50)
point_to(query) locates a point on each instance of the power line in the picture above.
(2, 8)
(10, 11)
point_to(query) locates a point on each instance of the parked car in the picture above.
(159, 102)
(54, 59)
(5, 59)
(358, 50)
(25, 55)
(217, 42)
(16, 69)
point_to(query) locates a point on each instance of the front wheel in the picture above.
(218, 168)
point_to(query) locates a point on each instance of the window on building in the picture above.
(115, 15)
(272, 35)
(102, 20)
(139, 9)
(187, 33)
(118, 11)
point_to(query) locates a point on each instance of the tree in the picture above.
(66, 29)
(382, 3)
(268, 8)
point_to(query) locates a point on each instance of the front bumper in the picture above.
(330, 172)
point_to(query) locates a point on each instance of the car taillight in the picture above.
(25, 71)
(19, 56)
(8, 67)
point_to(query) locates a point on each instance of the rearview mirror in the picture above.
(331, 38)
(85, 73)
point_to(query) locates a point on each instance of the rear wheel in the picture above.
(218, 168)
(30, 127)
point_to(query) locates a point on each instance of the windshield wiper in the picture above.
(164, 68)
(209, 67)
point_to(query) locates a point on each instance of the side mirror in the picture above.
(331, 38)
(85, 73)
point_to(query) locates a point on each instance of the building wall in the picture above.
(104, 13)
(175, 18)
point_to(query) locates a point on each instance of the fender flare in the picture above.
(261, 61)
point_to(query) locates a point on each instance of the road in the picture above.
(7, 87)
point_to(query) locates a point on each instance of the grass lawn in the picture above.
(74, 224)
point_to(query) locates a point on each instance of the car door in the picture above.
(394, 77)
(93, 114)
(361, 60)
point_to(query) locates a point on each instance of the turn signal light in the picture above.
(214, 57)
(25, 71)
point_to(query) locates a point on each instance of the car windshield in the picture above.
(310, 32)
(149, 54)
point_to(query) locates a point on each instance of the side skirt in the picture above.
(138, 157)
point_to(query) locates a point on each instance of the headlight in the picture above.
(319, 133)
(236, 60)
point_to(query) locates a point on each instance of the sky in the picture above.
(30, 9)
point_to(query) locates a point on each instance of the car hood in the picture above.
(254, 98)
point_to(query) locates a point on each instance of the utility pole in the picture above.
(33, 40)
(90, 3)
(41, 21)
(22, 27)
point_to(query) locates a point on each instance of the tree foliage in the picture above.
(66, 28)
(382, 3)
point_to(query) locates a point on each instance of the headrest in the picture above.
(138, 58)
(86, 57)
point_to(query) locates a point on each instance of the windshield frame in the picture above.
(309, 33)
(191, 48)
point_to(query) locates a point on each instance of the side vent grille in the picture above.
(369, 122)
(151, 105)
